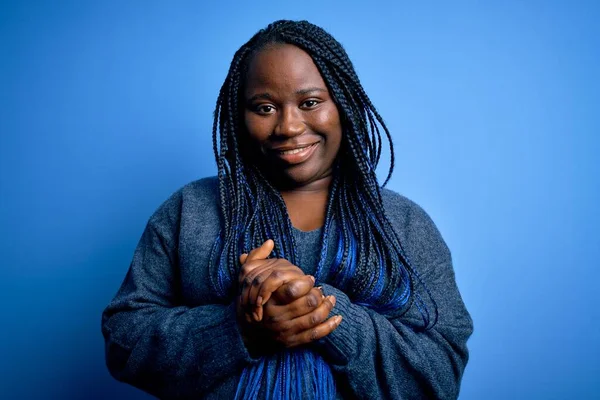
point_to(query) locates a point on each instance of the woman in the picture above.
(293, 274)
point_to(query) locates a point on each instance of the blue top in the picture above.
(167, 334)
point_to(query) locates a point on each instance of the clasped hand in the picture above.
(278, 299)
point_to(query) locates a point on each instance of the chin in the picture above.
(292, 178)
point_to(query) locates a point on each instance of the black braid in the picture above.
(374, 269)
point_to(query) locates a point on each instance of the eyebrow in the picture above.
(301, 92)
(310, 90)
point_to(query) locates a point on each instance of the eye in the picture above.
(311, 103)
(264, 109)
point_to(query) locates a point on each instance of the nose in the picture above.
(290, 123)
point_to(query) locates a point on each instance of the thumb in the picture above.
(260, 253)
(294, 289)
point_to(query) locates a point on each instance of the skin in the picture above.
(288, 107)
(295, 315)
(287, 103)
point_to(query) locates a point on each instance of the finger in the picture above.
(306, 321)
(277, 313)
(312, 334)
(262, 285)
(290, 290)
(262, 252)
(280, 275)
(285, 288)
(259, 311)
(251, 268)
(263, 280)
(254, 298)
(254, 278)
(255, 281)
(240, 312)
(259, 253)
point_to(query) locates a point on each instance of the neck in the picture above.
(319, 186)
(307, 204)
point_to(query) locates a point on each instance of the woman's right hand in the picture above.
(301, 321)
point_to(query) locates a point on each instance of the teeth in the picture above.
(295, 151)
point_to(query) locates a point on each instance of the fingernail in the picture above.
(339, 319)
(259, 301)
(255, 316)
(332, 299)
(312, 278)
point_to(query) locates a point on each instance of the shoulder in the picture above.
(404, 212)
(196, 199)
(200, 193)
(416, 230)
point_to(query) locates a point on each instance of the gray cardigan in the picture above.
(166, 334)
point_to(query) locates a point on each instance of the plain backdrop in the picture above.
(106, 109)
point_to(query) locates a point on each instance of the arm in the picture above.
(379, 358)
(155, 343)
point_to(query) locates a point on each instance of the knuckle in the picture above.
(248, 267)
(274, 319)
(258, 280)
(311, 300)
(280, 326)
(291, 290)
(314, 319)
(277, 274)
(243, 273)
(247, 281)
(314, 334)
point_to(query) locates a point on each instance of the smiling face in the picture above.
(290, 116)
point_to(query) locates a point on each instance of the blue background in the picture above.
(105, 110)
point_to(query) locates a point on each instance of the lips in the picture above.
(295, 154)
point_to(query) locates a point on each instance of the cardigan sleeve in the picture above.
(158, 345)
(374, 357)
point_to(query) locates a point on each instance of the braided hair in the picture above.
(370, 265)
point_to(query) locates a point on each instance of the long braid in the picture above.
(370, 264)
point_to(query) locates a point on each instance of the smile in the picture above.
(296, 155)
(296, 150)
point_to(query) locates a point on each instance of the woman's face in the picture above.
(290, 115)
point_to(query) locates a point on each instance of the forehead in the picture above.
(281, 67)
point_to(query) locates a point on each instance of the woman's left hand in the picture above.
(260, 277)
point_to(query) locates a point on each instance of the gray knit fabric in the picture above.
(166, 333)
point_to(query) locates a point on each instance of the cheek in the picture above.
(330, 122)
(258, 128)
